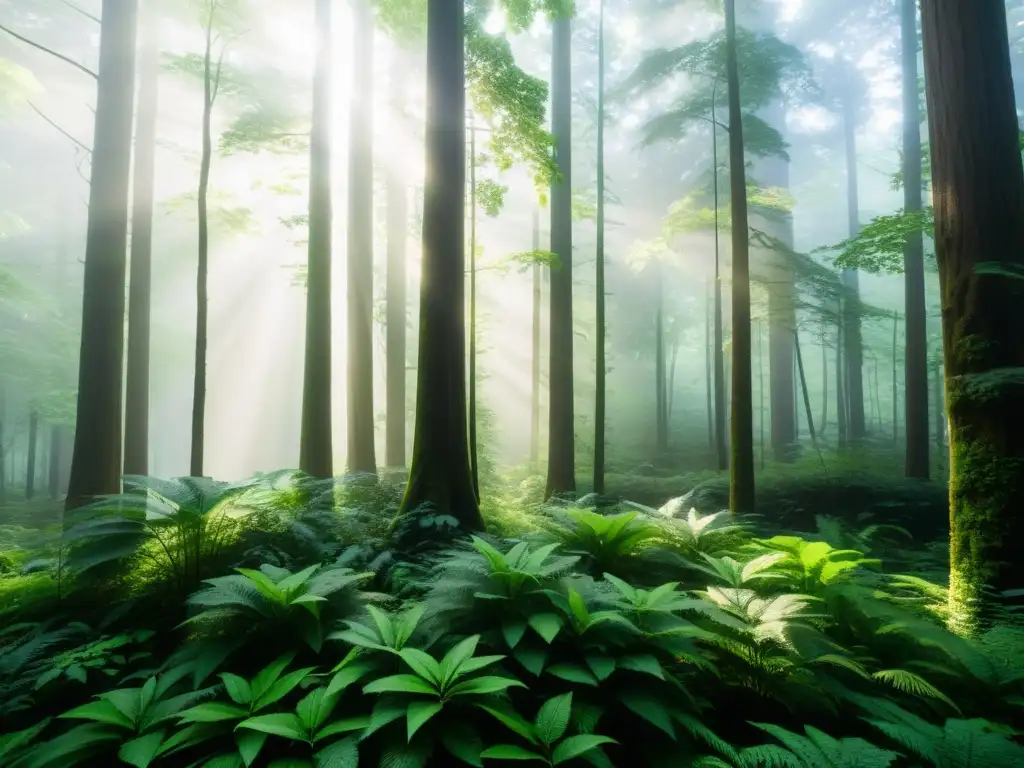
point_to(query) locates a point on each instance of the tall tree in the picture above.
(361, 451)
(916, 354)
(561, 475)
(535, 357)
(741, 466)
(396, 203)
(136, 407)
(33, 453)
(315, 454)
(96, 462)
(599, 395)
(979, 216)
(439, 468)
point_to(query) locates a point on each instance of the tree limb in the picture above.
(60, 130)
(53, 53)
(82, 11)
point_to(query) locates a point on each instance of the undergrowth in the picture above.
(289, 622)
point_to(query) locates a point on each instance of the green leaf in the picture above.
(101, 711)
(481, 685)
(547, 625)
(575, 746)
(249, 745)
(401, 684)
(76, 672)
(9, 742)
(511, 752)
(340, 754)
(48, 676)
(553, 718)
(574, 673)
(532, 659)
(141, 752)
(456, 657)
(266, 676)
(346, 725)
(213, 712)
(477, 663)
(282, 687)
(422, 663)
(463, 741)
(512, 720)
(283, 724)
(513, 630)
(649, 709)
(417, 714)
(383, 622)
(601, 664)
(346, 676)
(384, 712)
(642, 662)
(314, 708)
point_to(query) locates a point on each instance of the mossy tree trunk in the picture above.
(361, 450)
(561, 477)
(439, 468)
(979, 216)
(316, 455)
(915, 389)
(741, 465)
(396, 203)
(136, 407)
(96, 462)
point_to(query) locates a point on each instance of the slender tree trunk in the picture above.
(660, 419)
(211, 83)
(361, 451)
(136, 409)
(599, 373)
(938, 411)
(474, 462)
(895, 380)
(535, 359)
(439, 469)
(841, 411)
(824, 379)
(3, 444)
(316, 456)
(561, 476)
(979, 216)
(397, 226)
(741, 479)
(96, 463)
(915, 311)
(708, 388)
(33, 442)
(760, 390)
(851, 279)
(803, 389)
(53, 478)
(721, 440)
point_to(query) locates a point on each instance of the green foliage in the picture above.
(878, 247)
(490, 196)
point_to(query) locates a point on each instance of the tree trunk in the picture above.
(3, 444)
(561, 476)
(841, 411)
(979, 216)
(397, 226)
(535, 359)
(915, 385)
(895, 381)
(856, 426)
(361, 451)
(53, 479)
(439, 470)
(599, 372)
(660, 407)
(824, 380)
(211, 82)
(760, 391)
(316, 456)
(474, 457)
(33, 441)
(96, 463)
(708, 387)
(136, 407)
(721, 441)
(741, 479)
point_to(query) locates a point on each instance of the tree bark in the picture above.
(979, 216)
(561, 477)
(439, 469)
(53, 478)
(535, 359)
(721, 439)
(96, 462)
(915, 389)
(841, 409)
(33, 442)
(857, 429)
(474, 457)
(660, 404)
(136, 407)
(396, 202)
(361, 450)
(316, 455)
(741, 476)
(599, 287)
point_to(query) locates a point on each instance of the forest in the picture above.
(428, 383)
